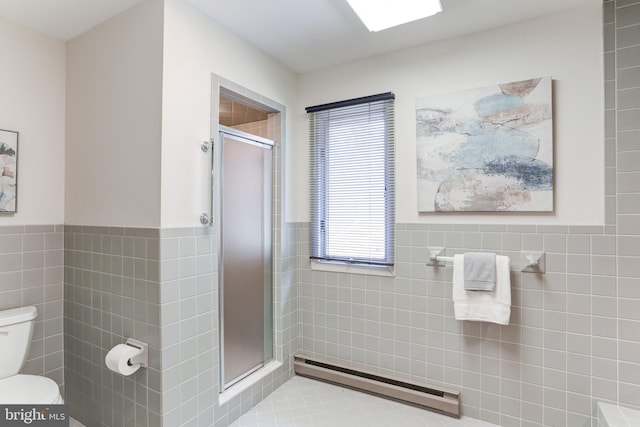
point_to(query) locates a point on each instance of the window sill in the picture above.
(335, 267)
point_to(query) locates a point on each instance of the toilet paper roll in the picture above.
(118, 359)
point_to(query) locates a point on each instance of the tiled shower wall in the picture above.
(260, 128)
(624, 15)
(622, 75)
(31, 273)
(188, 319)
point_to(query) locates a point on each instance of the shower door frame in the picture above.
(269, 339)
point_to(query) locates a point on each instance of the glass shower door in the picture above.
(245, 255)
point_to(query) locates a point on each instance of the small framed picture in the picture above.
(8, 171)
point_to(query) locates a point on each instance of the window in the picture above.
(352, 181)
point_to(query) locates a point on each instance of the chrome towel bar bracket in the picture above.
(530, 262)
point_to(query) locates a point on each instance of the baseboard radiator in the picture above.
(437, 399)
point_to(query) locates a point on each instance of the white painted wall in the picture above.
(32, 102)
(114, 102)
(566, 47)
(194, 48)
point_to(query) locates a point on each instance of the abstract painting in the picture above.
(486, 150)
(8, 170)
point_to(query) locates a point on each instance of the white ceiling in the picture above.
(62, 19)
(302, 34)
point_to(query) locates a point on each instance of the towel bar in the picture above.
(531, 262)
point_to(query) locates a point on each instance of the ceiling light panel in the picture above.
(379, 15)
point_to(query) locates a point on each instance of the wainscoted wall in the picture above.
(189, 320)
(31, 273)
(190, 328)
(112, 292)
(158, 286)
(550, 366)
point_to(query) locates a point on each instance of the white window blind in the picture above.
(352, 181)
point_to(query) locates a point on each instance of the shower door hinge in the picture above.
(206, 145)
(207, 218)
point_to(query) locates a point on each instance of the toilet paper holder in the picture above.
(142, 357)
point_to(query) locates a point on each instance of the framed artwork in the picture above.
(487, 149)
(8, 171)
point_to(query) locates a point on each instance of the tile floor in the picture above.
(75, 423)
(302, 402)
(617, 416)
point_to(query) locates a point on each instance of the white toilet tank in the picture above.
(16, 329)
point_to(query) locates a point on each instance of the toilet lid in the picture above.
(28, 389)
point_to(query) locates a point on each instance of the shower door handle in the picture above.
(207, 218)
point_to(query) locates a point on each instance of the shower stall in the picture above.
(244, 164)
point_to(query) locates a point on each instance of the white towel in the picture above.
(493, 306)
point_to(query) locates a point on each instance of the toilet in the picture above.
(16, 329)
